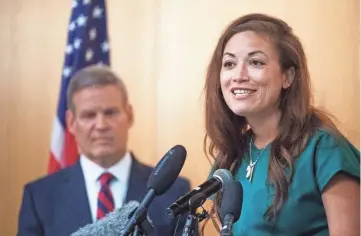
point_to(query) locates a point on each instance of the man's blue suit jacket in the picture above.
(57, 205)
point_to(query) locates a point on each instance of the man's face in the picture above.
(100, 122)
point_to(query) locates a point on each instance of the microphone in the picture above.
(113, 223)
(160, 180)
(207, 189)
(231, 206)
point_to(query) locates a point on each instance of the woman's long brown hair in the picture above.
(225, 141)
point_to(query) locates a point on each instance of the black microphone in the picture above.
(208, 188)
(231, 206)
(160, 180)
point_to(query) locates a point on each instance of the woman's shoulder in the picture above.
(331, 153)
(329, 139)
(330, 146)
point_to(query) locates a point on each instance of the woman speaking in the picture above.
(300, 175)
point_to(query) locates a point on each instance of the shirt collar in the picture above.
(120, 170)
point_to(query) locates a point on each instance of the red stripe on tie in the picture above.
(107, 203)
(100, 213)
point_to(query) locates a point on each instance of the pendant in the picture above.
(249, 173)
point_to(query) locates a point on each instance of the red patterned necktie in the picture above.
(105, 196)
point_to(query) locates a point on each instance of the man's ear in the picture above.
(70, 121)
(289, 77)
(129, 110)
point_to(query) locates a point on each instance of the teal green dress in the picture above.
(303, 212)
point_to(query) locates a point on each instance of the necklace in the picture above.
(252, 164)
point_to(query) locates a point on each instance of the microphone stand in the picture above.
(191, 225)
(227, 225)
(137, 231)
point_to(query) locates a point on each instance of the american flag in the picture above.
(87, 44)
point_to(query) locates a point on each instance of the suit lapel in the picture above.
(75, 197)
(137, 185)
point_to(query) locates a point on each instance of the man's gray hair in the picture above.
(93, 76)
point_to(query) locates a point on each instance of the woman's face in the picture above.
(251, 77)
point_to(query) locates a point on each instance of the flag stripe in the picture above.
(57, 140)
(53, 164)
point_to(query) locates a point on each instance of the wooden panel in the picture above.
(132, 39)
(32, 56)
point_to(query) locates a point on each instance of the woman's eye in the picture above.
(228, 64)
(257, 63)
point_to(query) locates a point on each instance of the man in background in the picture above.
(107, 174)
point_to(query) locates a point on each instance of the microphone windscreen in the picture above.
(110, 225)
(167, 170)
(223, 175)
(232, 199)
